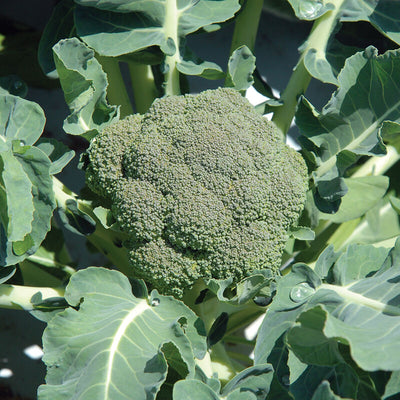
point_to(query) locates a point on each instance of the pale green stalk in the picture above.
(172, 85)
(300, 78)
(246, 25)
(116, 90)
(20, 297)
(144, 88)
(357, 298)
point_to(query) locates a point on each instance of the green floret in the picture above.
(202, 185)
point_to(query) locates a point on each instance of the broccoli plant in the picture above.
(229, 264)
(203, 187)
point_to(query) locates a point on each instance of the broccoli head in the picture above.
(202, 185)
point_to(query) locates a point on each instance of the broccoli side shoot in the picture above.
(203, 186)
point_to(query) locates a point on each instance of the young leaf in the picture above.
(84, 84)
(349, 125)
(113, 347)
(251, 384)
(59, 154)
(241, 66)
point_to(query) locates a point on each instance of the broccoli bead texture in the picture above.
(202, 185)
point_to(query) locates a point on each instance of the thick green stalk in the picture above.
(107, 241)
(116, 91)
(144, 88)
(300, 78)
(21, 297)
(246, 25)
(171, 78)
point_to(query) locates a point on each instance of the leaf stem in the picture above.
(357, 298)
(301, 78)
(172, 84)
(22, 297)
(116, 90)
(144, 88)
(246, 25)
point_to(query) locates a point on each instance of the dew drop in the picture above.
(155, 302)
(310, 9)
(301, 292)
(286, 380)
(17, 85)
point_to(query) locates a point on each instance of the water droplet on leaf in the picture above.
(155, 302)
(311, 8)
(301, 292)
(286, 380)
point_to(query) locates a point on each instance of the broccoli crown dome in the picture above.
(203, 186)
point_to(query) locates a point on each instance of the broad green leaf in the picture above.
(349, 125)
(20, 119)
(241, 66)
(84, 84)
(359, 304)
(113, 345)
(60, 26)
(116, 28)
(16, 198)
(362, 195)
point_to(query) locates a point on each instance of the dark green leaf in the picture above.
(60, 26)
